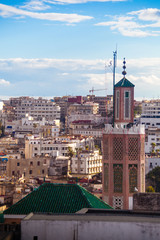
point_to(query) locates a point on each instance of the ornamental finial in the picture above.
(124, 68)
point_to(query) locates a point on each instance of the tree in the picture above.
(150, 189)
(70, 154)
(87, 147)
(2, 128)
(154, 178)
(153, 145)
(157, 152)
(34, 125)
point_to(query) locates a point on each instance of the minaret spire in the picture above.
(124, 68)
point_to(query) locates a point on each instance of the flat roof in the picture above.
(98, 215)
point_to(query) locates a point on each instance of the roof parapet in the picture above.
(121, 129)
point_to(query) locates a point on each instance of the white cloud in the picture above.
(133, 25)
(102, 83)
(8, 11)
(4, 82)
(35, 5)
(65, 74)
(77, 76)
(79, 1)
(149, 14)
(44, 63)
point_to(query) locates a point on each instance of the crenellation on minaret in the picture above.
(120, 129)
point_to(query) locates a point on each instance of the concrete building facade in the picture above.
(86, 163)
(37, 108)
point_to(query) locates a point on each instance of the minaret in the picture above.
(124, 100)
(123, 150)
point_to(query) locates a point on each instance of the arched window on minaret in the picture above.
(127, 105)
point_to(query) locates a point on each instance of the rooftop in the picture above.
(124, 82)
(57, 198)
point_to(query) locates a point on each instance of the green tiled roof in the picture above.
(124, 83)
(57, 198)
(1, 217)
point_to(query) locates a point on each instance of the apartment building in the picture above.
(86, 163)
(37, 108)
(151, 163)
(105, 103)
(152, 137)
(32, 167)
(86, 108)
(28, 125)
(47, 147)
(85, 112)
(86, 128)
(150, 113)
(65, 101)
(59, 166)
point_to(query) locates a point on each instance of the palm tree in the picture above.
(157, 152)
(153, 145)
(70, 154)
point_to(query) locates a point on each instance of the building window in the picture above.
(133, 149)
(127, 105)
(13, 173)
(118, 202)
(18, 164)
(132, 178)
(118, 148)
(31, 163)
(118, 178)
(30, 171)
(42, 171)
(35, 238)
(150, 165)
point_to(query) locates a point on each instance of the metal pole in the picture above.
(114, 73)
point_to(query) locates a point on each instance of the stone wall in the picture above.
(146, 201)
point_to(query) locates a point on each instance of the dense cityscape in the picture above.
(79, 120)
(104, 148)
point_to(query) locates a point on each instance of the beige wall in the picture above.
(30, 167)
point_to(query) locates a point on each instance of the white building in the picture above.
(150, 163)
(54, 146)
(85, 128)
(37, 108)
(150, 113)
(152, 136)
(91, 226)
(28, 125)
(44, 147)
(86, 163)
(94, 118)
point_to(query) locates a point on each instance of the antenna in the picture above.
(114, 73)
(114, 66)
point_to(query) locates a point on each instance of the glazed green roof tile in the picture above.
(1, 217)
(124, 83)
(57, 198)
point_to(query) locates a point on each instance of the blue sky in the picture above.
(61, 47)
